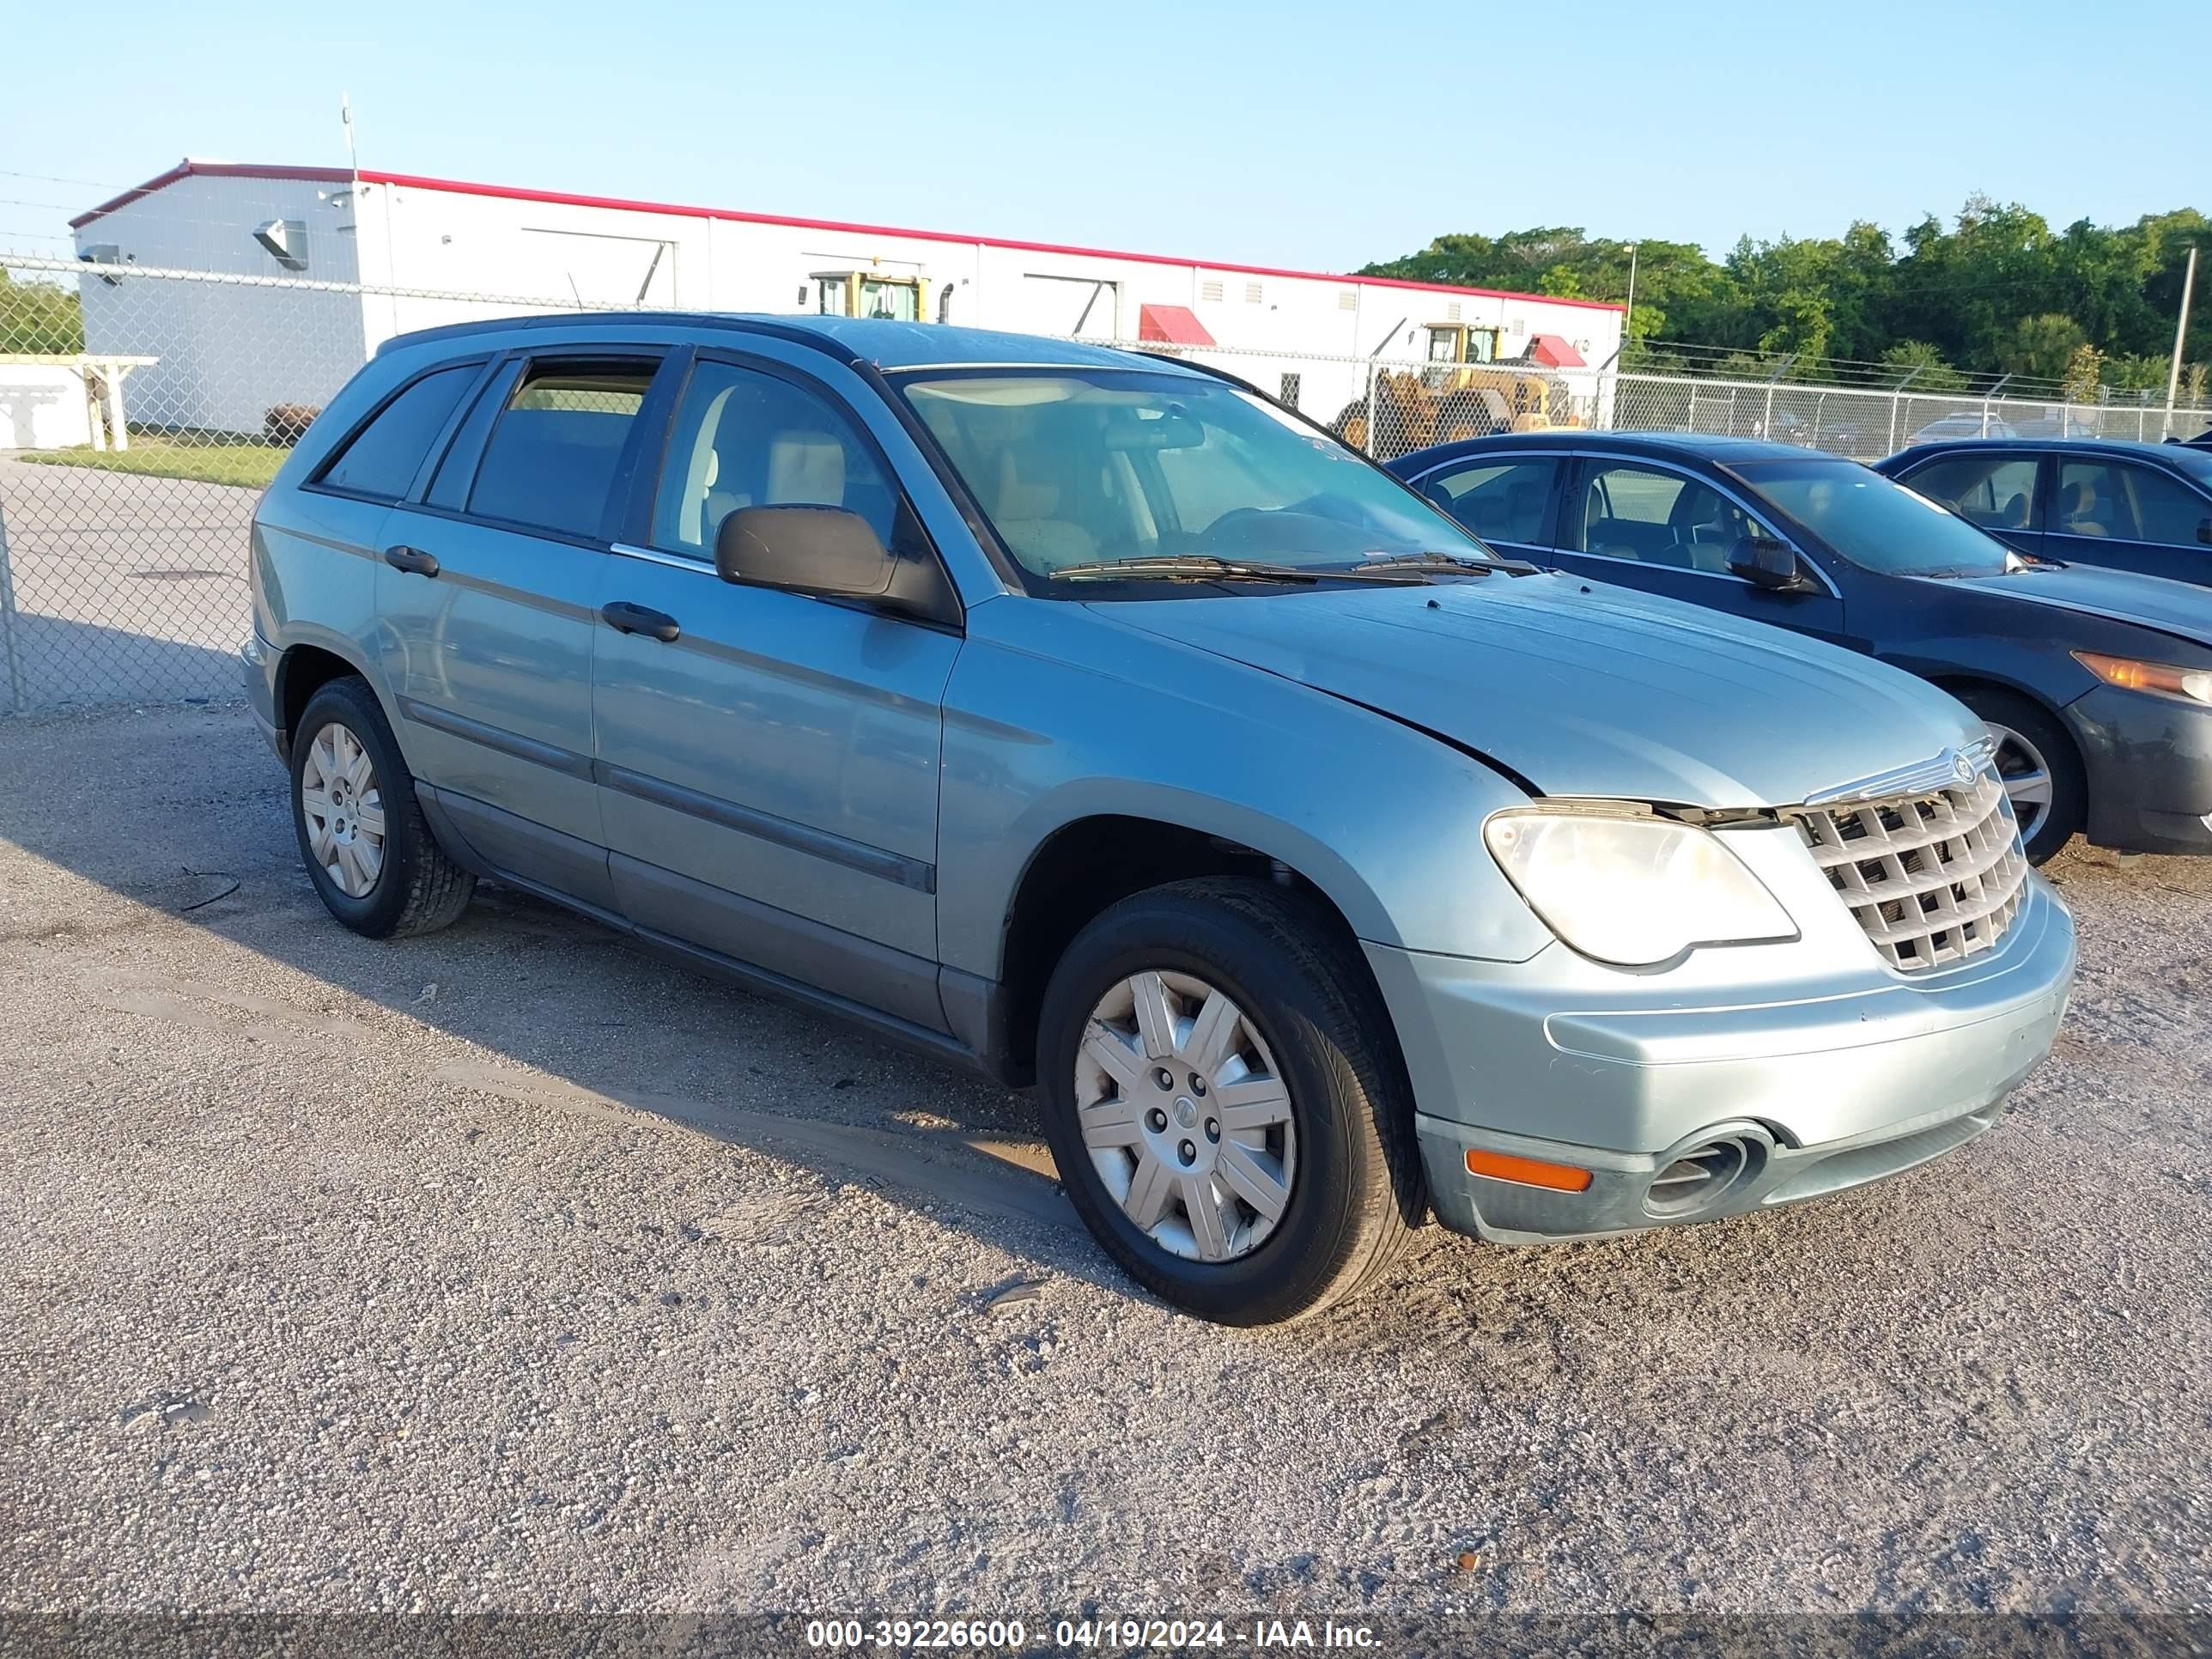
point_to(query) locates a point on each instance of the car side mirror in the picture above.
(1765, 563)
(831, 552)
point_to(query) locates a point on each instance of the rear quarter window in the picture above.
(382, 459)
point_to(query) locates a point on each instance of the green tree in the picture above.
(1922, 366)
(38, 319)
(2085, 373)
(2040, 347)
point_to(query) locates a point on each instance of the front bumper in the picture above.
(2148, 762)
(1822, 1077)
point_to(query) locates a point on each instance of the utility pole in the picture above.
(1627, 331)
(2180, 338)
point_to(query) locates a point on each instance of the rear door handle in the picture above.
(413, 559)
(627, 619)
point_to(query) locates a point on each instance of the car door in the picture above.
(2132, 516)
(1505, 500)
(489, 599)
(1663, 529)
(768, 762)
(2004, 491)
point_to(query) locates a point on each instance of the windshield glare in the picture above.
(1875, 524)
(1075, 466)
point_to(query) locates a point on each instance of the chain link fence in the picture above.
(143, 411)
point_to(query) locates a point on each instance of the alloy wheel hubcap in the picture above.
(2025, 775)
(1186, 1118)
(343, 811)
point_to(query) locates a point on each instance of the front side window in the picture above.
(1658, 517)
(1875, 524)
(385, 455)
(1501, 501)
(2121, 502)
(551, 458)
(742, 438)
(1072, 466)
(1993, 489)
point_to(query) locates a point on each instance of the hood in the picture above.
(1586, 690)
(2125, 596)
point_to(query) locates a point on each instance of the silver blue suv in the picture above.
(1090, 719)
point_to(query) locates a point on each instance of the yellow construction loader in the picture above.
(1464, 392)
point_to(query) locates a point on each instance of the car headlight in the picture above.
(1631, 889)
(2194, 684)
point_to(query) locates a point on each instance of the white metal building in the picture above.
(228, 351)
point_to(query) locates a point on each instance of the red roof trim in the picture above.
(189, 168)
(518, 193)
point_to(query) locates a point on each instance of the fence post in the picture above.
(7, 620)
(1369, 446)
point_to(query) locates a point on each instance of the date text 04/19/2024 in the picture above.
(1118, 1635)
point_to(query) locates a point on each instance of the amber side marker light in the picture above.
(1528, 1171)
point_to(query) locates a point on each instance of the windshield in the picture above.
(1875, 524)
(2195, 463)
(1073, 466)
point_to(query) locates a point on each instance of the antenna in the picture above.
(345, 120)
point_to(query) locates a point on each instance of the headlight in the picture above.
(2194, 684)
(1633, 889)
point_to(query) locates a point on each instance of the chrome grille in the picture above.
(1934, 878)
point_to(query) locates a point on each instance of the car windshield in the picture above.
(1876, 524)
(2195, 463)
(1075, 466)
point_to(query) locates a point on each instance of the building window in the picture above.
(1209, 290)
(1347, 299)
(1451, 312)
(1251, 294)
(1290, 397)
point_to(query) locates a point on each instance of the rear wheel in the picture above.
(372, 858)
(2041, 771)
(1225, 1103)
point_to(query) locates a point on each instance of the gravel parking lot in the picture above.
(509, 1269)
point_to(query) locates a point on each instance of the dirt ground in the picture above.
(509, 1269)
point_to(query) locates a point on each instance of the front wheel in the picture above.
(2039, 767)
(1225, 1103)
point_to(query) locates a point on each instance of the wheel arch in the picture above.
(1089, 863)
(308, 665)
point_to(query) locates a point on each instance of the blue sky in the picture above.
(1296, 134)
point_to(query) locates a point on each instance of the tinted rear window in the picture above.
(382, 459)
(552, 457)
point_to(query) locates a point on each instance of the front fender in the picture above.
(1052, 717)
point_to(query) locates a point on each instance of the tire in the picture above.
(1312, 1021)
(415, 887)
(2024, 731)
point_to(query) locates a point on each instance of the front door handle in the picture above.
(627, 619)
(413, 559)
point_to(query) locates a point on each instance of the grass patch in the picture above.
(201, 456)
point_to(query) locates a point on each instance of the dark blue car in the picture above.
(2126, 505)
(2097, 683)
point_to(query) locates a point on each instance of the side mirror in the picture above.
(829, 552)
(1765, 563)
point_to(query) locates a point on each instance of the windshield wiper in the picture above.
(1193, 567)
(1473, 566)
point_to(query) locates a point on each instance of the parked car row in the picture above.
(1327, 854)
(2095, 682)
